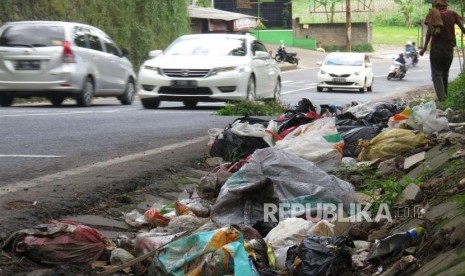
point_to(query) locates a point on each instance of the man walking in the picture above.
(441, 22)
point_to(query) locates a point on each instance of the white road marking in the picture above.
(43, 180)
(288, 81)
(30, 156)
(297, 90)
(62, 113)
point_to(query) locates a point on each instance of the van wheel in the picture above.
(128, 96)
(251, 90)
(150, 103)
(57, 100)
(190, 103)
(6, 100)
(87, 93)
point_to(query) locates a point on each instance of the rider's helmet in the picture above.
(401, 54)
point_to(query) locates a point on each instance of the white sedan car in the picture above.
(344, 70)
(209, 67)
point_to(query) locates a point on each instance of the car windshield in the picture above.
(208, 46)
(345, 60)
(32, 36)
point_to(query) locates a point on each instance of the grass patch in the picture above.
(456, 94)
(363, 48)
(183, 181)
(248, 108)
(394, 35)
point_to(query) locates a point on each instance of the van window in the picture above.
(94, 41)
(80, 38)
(111, 47)
(32, 36)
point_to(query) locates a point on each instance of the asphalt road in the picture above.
(38, 139)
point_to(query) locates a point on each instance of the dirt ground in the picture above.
(124, 194)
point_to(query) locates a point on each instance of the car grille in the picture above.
(185, 73)
(342, 76)
(184, 91)
(339, 83)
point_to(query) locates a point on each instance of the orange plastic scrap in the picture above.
(223, 236)
(154, 218)
(182, 209)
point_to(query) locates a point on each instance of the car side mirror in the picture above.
(319, 63)
(125, 52)
(262, 55)
(155, 53)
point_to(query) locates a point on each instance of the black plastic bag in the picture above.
(320, 256)
(352, 136)
(232, 147)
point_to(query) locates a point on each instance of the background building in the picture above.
(274, 13)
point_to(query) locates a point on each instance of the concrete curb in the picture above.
(287, 67)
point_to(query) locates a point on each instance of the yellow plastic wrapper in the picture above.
(390, 143)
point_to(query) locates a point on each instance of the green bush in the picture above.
(139, 25)
(248, 108)
(392, 19)
(362, 48)
(456, 94)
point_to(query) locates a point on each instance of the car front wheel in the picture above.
(277, 91)
(370, 88)
(6, 100)
(150, 103)
(251, 90)
(190, 103)
(57, 100)
(319, 89)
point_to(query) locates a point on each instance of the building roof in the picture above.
(211, 13)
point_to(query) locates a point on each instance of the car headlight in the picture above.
(357, 73)
(323, 72)
(218, 70)
(151, 68)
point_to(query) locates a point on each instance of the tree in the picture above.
(286, 14)
(330, 8)
(203, 3)
(406, 8)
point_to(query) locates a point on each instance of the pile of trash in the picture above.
(273, 206)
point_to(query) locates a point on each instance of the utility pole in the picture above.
(348, 27)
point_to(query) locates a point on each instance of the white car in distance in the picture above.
(345, 70)
(209, 68)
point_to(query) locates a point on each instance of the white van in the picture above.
(57, 60)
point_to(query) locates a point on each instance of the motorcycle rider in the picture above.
(411, 52)
(402, 62)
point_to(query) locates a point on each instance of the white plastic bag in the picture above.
(318, 141)
(425, 118)
(246, 129)
(292, 231)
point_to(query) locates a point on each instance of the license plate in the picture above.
(27, 65)
(184, 83)
(339, 79)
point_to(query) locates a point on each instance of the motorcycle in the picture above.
(412, 57)
(397, 71)
(283, 55)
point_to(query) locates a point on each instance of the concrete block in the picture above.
(414, 159)
(411, 193)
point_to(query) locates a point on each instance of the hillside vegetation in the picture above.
(139, 25)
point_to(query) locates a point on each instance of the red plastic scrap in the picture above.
(61, 242)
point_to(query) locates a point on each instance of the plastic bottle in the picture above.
(393, 245)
